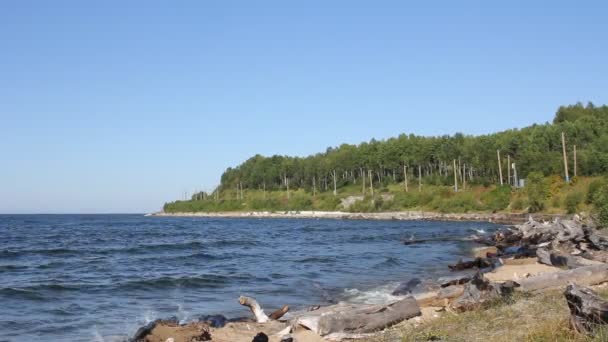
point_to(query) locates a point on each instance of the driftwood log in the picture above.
(467, 264)
(587, 310)
(587, 275)
(357, 319)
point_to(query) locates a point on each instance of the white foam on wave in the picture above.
(378, 295)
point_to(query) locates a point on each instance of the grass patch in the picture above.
(529, 318)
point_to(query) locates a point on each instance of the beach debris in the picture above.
(258, 313)
(474, 263)
(475, 293)
(279, 313)
(588, 311)
(357, 319)
(586, 275)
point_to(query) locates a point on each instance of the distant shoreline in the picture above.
(501, 218)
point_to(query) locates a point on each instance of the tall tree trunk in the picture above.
(371, 183)
(499, 167)
(363, 180)
(565, 158)
(335, 190)
(314, 186)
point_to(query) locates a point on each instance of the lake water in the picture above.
(100, 277)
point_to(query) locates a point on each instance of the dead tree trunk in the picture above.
(255, 308)
(587, 310)
(565, 158)
(363, 180)
(356, 319)
(499, 167)
(455, 178)
(335, 190)
(588, 275)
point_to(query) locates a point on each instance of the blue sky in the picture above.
(119, 106)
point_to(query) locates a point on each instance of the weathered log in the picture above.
(451, 291)
(466, 264)
(255, 308)
(279, 313)
(601, 256)
(556, 258)
(587, 309)
(454, 280)
(587, 275)
(349, 318)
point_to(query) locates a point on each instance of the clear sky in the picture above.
(119, 106)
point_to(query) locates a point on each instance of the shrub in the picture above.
(406, 200)
(460, 203)
(600, 202)
(593, 188)
(497, 199)
(537, 192)
(518, 204)
(572, 201)
(556, 201)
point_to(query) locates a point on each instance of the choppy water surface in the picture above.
(98, 277)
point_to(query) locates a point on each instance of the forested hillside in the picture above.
(534, 148)
(456, 173)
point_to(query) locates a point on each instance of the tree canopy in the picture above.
(536, 148)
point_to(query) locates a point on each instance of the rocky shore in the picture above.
(501, 218)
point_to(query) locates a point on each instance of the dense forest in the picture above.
(535, 148)
(457, 173)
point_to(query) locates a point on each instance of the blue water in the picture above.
(99, 277)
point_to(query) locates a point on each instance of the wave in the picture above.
(209, 281)
(20, 293)
(379, 295)
(318, 259)
(389, 261)
(8, 268)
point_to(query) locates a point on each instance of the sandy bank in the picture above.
(503, 218)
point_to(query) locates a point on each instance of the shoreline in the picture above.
(415, 215)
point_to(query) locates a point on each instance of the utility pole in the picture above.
(455, 177)
(565, 158)
(499, 167)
